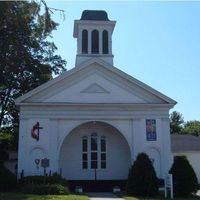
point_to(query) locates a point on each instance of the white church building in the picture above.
(93, 120)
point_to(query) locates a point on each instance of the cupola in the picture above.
(94, 36)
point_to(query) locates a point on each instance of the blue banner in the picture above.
(151, 129)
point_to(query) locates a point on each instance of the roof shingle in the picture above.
(181, 143)
(97, 15)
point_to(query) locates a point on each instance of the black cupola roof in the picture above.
(97, 15)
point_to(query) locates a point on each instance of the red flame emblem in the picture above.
(35, 131)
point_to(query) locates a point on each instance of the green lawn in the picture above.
(159, 198)
(20, 196)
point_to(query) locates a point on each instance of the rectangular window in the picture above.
(94, 143)
(103, 144)
(84, 165)
(103, 156)
(84, 144)
(85, 157)
(84, 153)
(93, 155)
(103, 165)
(94, 164)
(103, 152)
(94, 151)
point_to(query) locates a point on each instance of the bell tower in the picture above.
(94, 36)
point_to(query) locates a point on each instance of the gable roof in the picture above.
(182, 143)
(106, 67)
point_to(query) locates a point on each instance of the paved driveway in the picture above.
(103, 196)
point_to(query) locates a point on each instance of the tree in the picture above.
(27, 58)
(191, 127)
(176, 122)
(142, 180)
(8, 181)
(184, 178)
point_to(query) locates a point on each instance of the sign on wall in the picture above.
(151, 129)
(45, 162)
(169, 186)
(35, 131)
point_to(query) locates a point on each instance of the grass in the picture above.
(20, 196)
(158, 198)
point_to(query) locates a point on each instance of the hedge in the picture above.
(52, 189)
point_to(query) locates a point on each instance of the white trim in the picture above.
(109, 106)
(89, 23)
(104, 65)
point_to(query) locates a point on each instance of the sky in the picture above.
(157, 43)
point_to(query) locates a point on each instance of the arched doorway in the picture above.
(95, 151)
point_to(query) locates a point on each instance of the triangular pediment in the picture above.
(95, 82)
(94, 88)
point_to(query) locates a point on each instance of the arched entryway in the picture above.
(95, 151)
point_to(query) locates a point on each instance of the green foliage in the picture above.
(142, 180)
(7, 142)
(191, 127)
(54, 179)
(176, 122)
(178, 126)
(21, 196)
(56, 189)
(27, 58)
(54, 184)
(8, 181)
(184, 178)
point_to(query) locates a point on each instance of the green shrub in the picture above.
(54, 184)
(54, 179)
(184, 178)
(142, 180)
(52, 189)
(8, 181)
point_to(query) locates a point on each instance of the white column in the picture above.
(109, 42)
(137, 140)
(166, 158)
(53, 150)
(79, 42)
(132, 141)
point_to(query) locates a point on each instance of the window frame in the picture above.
(101, 163)
(84, 152)
(94, 151)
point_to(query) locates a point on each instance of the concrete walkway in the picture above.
(198, 193)
(103, 196)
